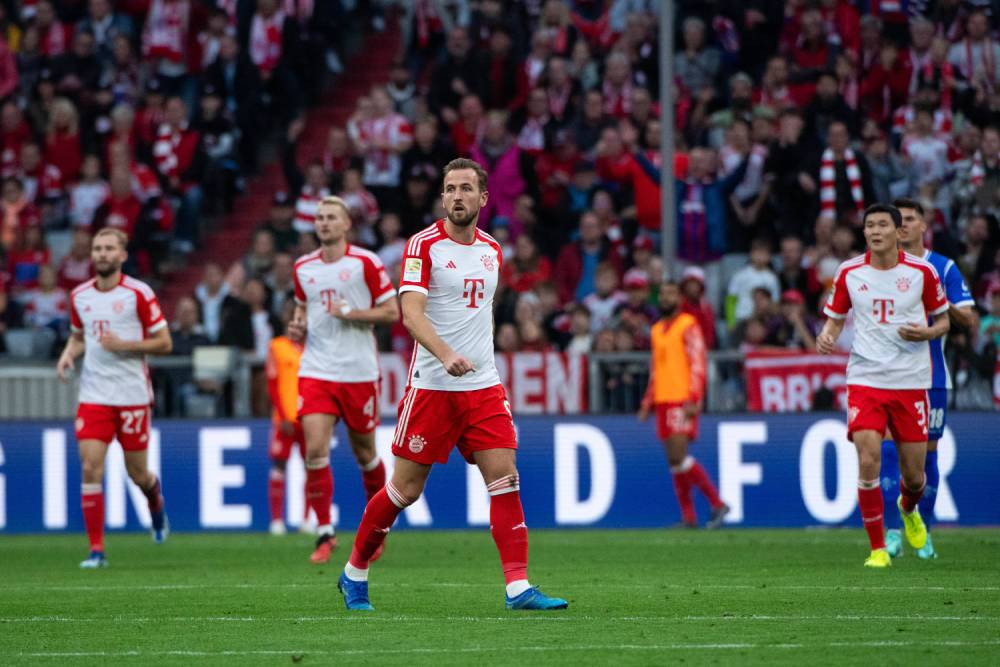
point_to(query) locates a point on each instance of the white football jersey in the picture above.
(883, 301)
(460, 282)
(337, 350)
(130, 311)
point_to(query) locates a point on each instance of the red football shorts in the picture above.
(128, 423)
(356, 403)
(281, 445)
(431, 422)
(903, 411)
(671, 420)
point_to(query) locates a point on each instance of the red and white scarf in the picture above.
(166, 30)
(828, 182)
(265, 40)
(165, 149)
(989, 63)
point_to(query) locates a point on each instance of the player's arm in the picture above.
(646, 405)
(386, 312)
(936, 306)
(415, 320)
(158, 342)
(75, 347)
(694, 347)
(963, 316)
(826, 341)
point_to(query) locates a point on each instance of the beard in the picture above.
(463, 218)
(106, 270)
(669, 311)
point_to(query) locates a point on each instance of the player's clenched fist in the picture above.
(457, 365)
(825, 343)
(297, 329)
(64, 366)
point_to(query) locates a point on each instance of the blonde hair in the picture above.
(117, 233)
(336, 201)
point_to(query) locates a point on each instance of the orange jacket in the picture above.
(283, 378)
(678, 363)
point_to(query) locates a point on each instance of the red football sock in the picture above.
(276, 494)
(910, 497)
(508, 528)
(380, 513)
(870, 502)
(374, 478)
(153, 496)
(682, 487)
(700, 479)
(92, 503)
(319, 492)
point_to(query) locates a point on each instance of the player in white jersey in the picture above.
(341, 291)
(115, 322)
(454, 395)
(894, 295)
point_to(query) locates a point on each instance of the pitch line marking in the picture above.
(508, 649)
(559, 619)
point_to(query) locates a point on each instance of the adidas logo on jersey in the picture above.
(450, 265)
(863, 288)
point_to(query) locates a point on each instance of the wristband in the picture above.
(345, 310)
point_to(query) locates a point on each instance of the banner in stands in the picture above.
(782, 381)
(537, 383)
(609, 472)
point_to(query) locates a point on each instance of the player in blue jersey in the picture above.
(960, 310)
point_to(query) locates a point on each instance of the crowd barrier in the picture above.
(601, 471)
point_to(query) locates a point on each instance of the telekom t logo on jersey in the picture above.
(328, 296)
(474, 289)
(883, 308)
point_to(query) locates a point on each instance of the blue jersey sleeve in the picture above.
(955, 287)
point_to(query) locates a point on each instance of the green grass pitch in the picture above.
(636, 598)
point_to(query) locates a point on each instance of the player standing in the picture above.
(893, 294)
(961, 312)
(676, 390)
(341, 291)
(453, 394)
(115, 322)
(283, 358)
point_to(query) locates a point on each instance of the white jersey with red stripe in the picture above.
(337, 350)
(130, 311)
(460, 281)
(884, 300)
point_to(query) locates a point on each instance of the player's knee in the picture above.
(914, 479)
(404, 493)
(317, 460)
(92, 470)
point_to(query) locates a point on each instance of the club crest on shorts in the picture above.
(79, 424)
(903, 284)
(488, 262)
(852, 414)
(416, 444)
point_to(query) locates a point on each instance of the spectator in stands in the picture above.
(89, 193)
(47, 305)
(757, 273)
(506, 83)
(698, 64)
(575, 270)
(280, 282)
(213, 296)
(260, 260)
(186, 331)
(976, 56)
(469, 126)
(43, 185)
(387, 135)
(106, 25)
(843, 177)
(457, 74)
(793, 275)
(693, 302)
(509, 169)
(25, 258)
(794, 329)
(391, 248)
(581, 339)
(238, 81)
(62, 139)
(219, 137)
(527, 267)
(989, 326)
(606, 297)
(280, 222)
(637, 314)
(180, 161)
(75, 267)
(361, 203)
(507, 338)
(17, 212)
(419, 201)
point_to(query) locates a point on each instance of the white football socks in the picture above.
(355, 573)
(515, 588)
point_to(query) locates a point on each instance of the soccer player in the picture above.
(676, 389)
(115, 321)
(341, 292)
(960, 311)
(283, 359)
(893, 294)
(453, 393)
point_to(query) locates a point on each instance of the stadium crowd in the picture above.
(790, 118)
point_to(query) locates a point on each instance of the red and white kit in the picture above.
(382, 166)
(115, 390)
(887, 376)
(339, 370)
(438, 410)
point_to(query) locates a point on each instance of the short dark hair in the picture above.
(897, 217)
(904, 202)
(466, 163)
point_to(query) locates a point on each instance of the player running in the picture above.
(115, 322)
(676, 389)
(453, 394)
(341, 291)
(283, 359)
(893, 294)
(960, 311)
